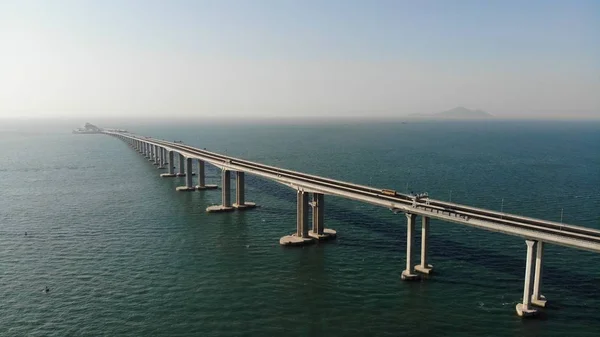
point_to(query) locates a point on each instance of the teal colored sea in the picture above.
(124, 254)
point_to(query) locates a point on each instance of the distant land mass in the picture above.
(458, 112)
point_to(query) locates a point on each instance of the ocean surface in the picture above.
(124, 254)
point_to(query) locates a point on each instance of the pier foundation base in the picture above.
(183, 174)
(525, 312)
(219, 209)
(185, 189)
(408, 276)
(539, 302)
(245, 206)
(328, 234)
(168, 175)
(424, 270)
(206, 187)
(295, 240)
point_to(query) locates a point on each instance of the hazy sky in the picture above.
(297, 58)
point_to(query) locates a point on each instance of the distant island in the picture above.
(458, 112)
(88, 128)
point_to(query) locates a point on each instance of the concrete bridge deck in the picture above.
(535, 231)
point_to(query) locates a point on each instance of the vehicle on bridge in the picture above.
(388, 192)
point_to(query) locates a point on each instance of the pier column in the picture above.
(318, 208)
(409, 273)
(319, 231)
(202, 178)
(171, 170)
(161, 158)
(239, 188)
(240, 202)
(524, 309)
(188, 173)
(537, 298)
(156, 155)
(302, 214)
(171, 163)
(181, 172)
(188, 177)
(146, 150)
(226, 193)
(424, 267)
(150, 152)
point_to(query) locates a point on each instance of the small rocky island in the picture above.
(88, 128)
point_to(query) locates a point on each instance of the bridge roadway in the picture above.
(535, 231)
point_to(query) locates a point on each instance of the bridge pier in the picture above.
(538, 299)
(151, 152)
(524, 309)
(319, 232)
(156, 160)
(225, 195)
(161, 158)
(424, 267)
(202, 178)
(301, 237)
(146, 150)
(409, 273)
(240, 202)
(189, 186)
(181, 172)
(170, 167)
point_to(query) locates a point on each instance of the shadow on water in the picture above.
(580, 284)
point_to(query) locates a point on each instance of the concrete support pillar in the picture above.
(202, 178)
(409, 272)
(537, 298)
(424, 267)
(319, 232)
(188, 173)
(225, 195)
(239, 188)
(524, 309)
(145, 149)
(181, 172)
(171, 171)
(318, 212)
(170, 163)
(226, 190)
(150, 152)
(156, 155)
(240, 200)
(161, 158)
(302, 214)
(188, 177)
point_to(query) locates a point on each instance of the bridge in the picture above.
(311, 189)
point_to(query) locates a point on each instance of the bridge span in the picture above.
(311, 189)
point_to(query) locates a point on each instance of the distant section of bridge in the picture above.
(311, 189)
